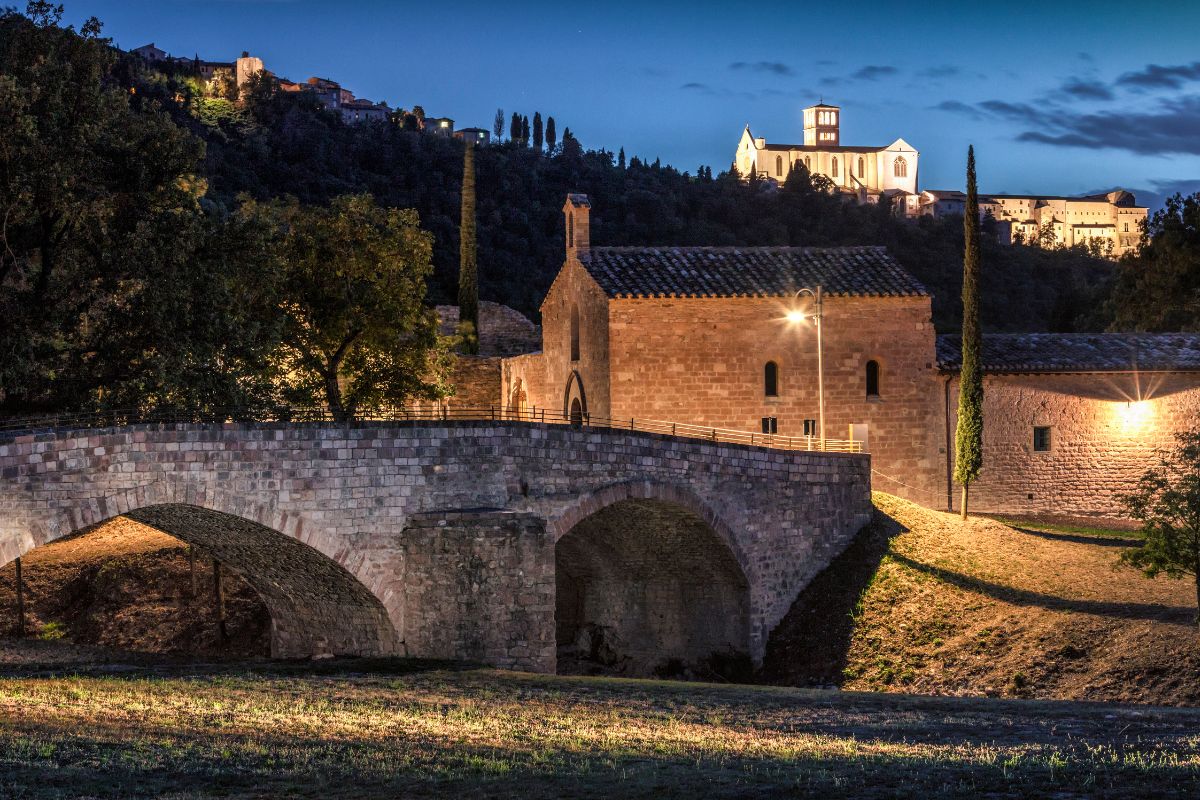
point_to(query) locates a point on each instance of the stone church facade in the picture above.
(702, 335)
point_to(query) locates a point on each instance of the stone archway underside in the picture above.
(643, 583)
(316, 606)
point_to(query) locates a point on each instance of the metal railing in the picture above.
(14, 426)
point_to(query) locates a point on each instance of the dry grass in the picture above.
(926, 603)
(380, 732)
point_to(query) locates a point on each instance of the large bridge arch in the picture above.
(649, 579)
(317, 605)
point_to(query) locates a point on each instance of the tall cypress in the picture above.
(514, 128)
(968, 440)
(468, 278)
(525, 131)
(551, 134)
(621, 159)
(537, 130)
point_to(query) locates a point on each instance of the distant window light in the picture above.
(872, 379)
(810, 427)
(833, 170)
(770, 425)
(901, 167)
(1041, 439)
(771, 379)
(445, 124)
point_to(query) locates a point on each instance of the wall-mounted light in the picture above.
(1134, 415)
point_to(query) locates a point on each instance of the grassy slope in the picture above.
(923, 603)
(436, 733)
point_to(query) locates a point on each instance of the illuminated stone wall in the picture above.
(1101, 441)
(386, 519)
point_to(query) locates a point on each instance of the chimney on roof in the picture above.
(577, 211)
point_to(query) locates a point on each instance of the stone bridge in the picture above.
(517, 544)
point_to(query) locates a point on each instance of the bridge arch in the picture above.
(317, 605)
(649, 580)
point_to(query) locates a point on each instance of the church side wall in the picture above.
(574, 287)
(702, 361)
(1100, 441)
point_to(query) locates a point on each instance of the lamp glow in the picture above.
(796, 316)
(1134, 415)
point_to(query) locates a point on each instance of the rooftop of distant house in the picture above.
(1077, 352)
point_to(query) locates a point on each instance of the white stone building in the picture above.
(866, 172)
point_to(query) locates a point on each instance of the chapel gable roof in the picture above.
(628, 272)
(1077, 352)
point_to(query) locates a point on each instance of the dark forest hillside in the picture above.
(279, 144)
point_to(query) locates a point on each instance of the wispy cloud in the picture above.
(772, 67)
(943, 71)
(1157, 76)
(1087, 89)
(873, 72)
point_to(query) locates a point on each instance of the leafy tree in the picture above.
(514, 128)
(1167, 503)
(968, 440)
(498, 125)
(351, 284)
(551, 135)
(1158, 289)
(468, 279)
(537, 131)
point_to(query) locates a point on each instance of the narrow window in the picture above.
(872, 379)
(771, 379)
(808, 163)
(901, 167)
(810, 427)
(834, 169)
(574, 333)
(570, 229)
(778, 165)
(862, 168)
(770, 425)
(1041, 439)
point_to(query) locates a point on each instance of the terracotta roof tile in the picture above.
(747, 271)
(1077, 352)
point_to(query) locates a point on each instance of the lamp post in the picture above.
(797, 316)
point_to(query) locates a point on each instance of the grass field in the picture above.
(401, 730)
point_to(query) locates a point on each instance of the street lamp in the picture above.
(796, 315)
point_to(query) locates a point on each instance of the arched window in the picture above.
(808, 163)
(833, 171)
(862, 168)
(574, 333)
(872, 379)
(778, 165)
(901, 167)
(771, 379)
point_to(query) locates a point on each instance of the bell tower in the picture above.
(822, 126)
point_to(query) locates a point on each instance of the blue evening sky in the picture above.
(1057, 98)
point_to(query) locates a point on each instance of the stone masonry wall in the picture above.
(575, 288)
(349, 493)
(1101, 442)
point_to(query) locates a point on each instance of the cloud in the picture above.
(1168, 128)
(1156, 196)
(944, 71)
(703, 88)
(1156, 76)
(1087, 89)
(773, 67)
(958, 107)
(873, 72)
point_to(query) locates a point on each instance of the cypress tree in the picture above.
(621, 158)
(468, 279)
(514, 128)
(525, 131)
(537, 130)
(551, 134)
(968, 440)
